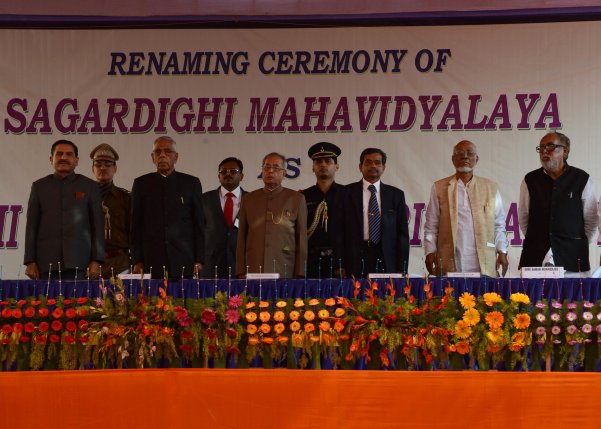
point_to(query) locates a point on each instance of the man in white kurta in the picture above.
(465, 221)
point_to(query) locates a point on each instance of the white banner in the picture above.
(412, 91)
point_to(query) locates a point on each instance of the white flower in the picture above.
(587, 315)
(571, 316)
(555, 317)
(587, 328)
(541, 317)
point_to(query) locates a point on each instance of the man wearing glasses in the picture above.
(167, 232)
(557, 210)
(116, 206)
(465, 221)
(273, 226)
(221, 208)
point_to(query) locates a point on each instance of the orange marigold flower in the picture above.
(330, 302)
(267, 340)
(283, 340)
(265, 328)
(309, 315)
(462, 329)
(263, 304)
(309, 327)
(251, 329)
(297, 340)
(495, 319)
(281, 304)
(339, 312)
(299, 303)
(250, 316)
(323, 314)
(250, 304)
(313, 301)
(520, 298)
(253, 341)
(264, 316)
(462, 348)
(471, 316)
(467, 300)
(338, 326)
(493, 348)
(294, 315)
(82, 311)
(295, 326)
(279, 316)
(314, 338)
(324, 326)
(427, 287)
(279, 328)
(491, 298)
(521, 321)
(519, 337)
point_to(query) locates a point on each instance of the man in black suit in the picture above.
(65, 226)
(167, 218)
(221, 208)
(372, 233)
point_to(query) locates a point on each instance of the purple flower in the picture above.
(572, 306)
(541, 330)
(555, 330)
(587, 315)
(555, 317)
(541, 304)
(541, 317)
(588, 304)
(571, 329)
(540, 342)
(587, 328)
(99, 302)
(571, 316)
(232, 316)
(235, 301)
(556, 304)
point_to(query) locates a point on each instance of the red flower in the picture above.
(29, 312)
(212, 348)
(211, 333)
(57, 313)
(43, 327)
(83, 325)
(17, 313)
(24, 339)
(82, 300)
(29, 327)
(21, 302)
(82, 311)
(7, 329)
(57, 325)
(51, 302)
(54, 338)
(69, 339)
(70, 313)
(40, 339)
(3, 302)
(71, 326)
(185, 348)
(67, 301)
(18, 328)
(35, 303)
(6, 313)
(43, 312)
(187, 335)
(5, 341)
(230, 332)
(233, 350)
(208, 317)
(83, 339)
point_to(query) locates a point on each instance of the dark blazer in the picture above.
(167, 223)
(349, 229)
(220, 241)
(64, 223)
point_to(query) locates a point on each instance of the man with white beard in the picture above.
(465, 221)
(557, 210)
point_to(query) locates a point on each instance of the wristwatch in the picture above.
(504, 252)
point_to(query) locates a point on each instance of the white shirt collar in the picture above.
(366, 185)
(223, 192)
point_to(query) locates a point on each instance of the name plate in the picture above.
(133, 276)
(543, 272)
(463, 275)
(263, 276)
(374, 276)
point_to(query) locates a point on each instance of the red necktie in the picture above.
(228, 209)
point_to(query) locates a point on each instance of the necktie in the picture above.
(228, 209)
(373, 213)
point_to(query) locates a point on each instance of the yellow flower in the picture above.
(471, 317)
(494, 335)
(521, 321)
(462, 330)
(281, 304)
(520, 297)
(467, 300)
(519, 337)
(495, 319)
(492, 298)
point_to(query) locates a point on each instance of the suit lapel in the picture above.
(357, 198)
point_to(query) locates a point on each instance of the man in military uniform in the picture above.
(321, 201)
(116, 204)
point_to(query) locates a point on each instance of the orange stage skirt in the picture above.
(258, 398)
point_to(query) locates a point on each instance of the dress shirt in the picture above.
(366, 197)
(236, 199)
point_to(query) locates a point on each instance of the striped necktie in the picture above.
(375, 225)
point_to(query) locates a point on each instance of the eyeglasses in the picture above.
(225, 171)
(103, 163)
(275, 168)
(462, 153)
(548, 148)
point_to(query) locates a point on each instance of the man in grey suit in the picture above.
(221, 208)
(65, 225)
